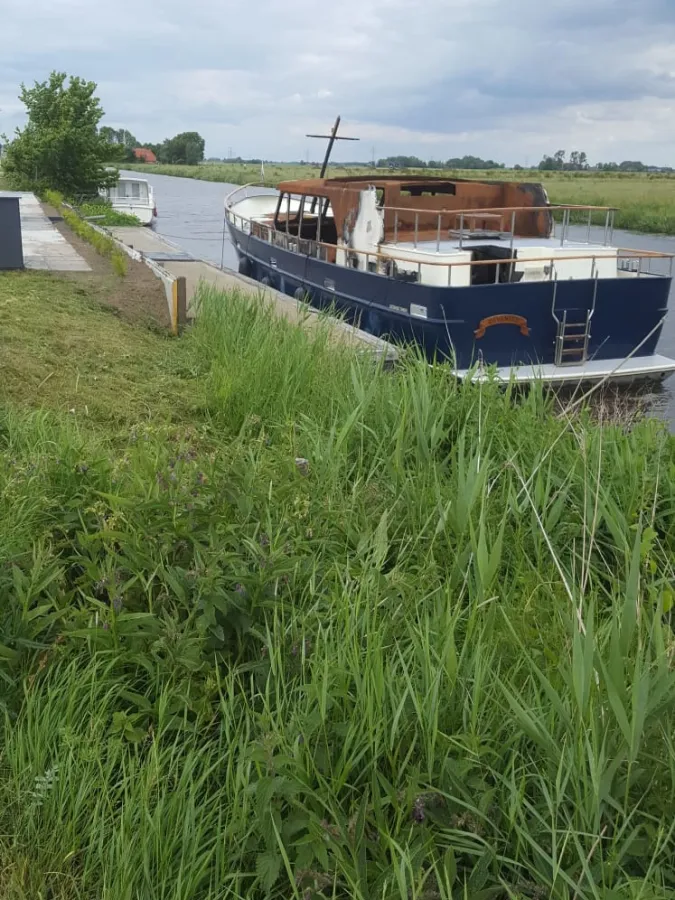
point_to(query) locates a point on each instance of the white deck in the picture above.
(654, 367)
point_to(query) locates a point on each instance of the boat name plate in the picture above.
(504, 319)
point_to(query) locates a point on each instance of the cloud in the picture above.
(509, 81)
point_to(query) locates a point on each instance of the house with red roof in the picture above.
(142, 154)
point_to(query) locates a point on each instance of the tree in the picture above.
(186, 148)
(60, 147)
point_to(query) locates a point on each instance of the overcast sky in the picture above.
(508, 80)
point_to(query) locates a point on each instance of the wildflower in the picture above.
(117, 604)
(302, 465)
(240, 589)
(201, 478)
(264, 540)
(418, 811)
(83, 468)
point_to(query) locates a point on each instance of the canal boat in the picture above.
(133, 196)
(487, 275)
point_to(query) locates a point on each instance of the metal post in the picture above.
(604, 240)
(593, 268)
(419, 273)
(498, 268)
(611, 229)
(318, 222)
(302, 212)
(395, 226)
(461, 231)
(288, 213)
(417, 223)
(513, 228)
(588, 232)
(639, 269)
(438, 234)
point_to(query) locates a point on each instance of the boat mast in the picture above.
(331, 138)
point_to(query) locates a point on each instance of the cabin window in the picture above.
(306, 217)
(418, 190)
(135, 190)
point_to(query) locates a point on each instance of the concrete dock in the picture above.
(181, 264)
(44, 247)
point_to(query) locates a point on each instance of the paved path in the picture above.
(44, 247)
(180, 263)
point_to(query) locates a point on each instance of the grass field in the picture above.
(646, 202)
(278, 624)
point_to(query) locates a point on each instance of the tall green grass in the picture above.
(344, 633)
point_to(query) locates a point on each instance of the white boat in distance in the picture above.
(133, 196)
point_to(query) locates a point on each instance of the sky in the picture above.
(510, 81)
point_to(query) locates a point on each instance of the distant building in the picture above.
(142, 154)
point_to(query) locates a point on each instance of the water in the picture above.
(191, 215)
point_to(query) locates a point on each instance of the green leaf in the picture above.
(268, 867)
(8, 653)
(450, 866)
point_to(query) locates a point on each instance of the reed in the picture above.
(333, 632)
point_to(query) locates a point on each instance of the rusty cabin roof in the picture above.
(450, 194)
(323, 187)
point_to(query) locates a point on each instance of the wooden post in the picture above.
(179, 305)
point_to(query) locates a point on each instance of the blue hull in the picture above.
(626, 309)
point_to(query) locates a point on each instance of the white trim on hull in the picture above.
(637, 368)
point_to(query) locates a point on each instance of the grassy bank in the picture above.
(646, 202)
(287, 626)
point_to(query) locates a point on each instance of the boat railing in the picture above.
(637, 262)
(498, 214)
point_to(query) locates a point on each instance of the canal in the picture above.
(190, 214)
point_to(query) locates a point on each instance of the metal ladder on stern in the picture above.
(572, 338)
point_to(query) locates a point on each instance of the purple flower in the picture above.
(117, 604)
(418, 811)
